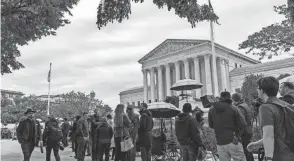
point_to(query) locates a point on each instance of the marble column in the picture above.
(228, 75)
(145, 82)
(152, 84)
(168, 79)
(187, 71)
(214, 76)
(197, 75)
(160, 84)
(208, 75)
(223, 74)
(178, 71)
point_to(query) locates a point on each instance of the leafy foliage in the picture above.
(275, 39)
(114, 10)
(281, 76)
(28, 20)
(172, 100)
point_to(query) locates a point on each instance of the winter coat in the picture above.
(227, 121)
(24, 128)
(187, 130)
(104, 133)
(145, 129)
(82, 128)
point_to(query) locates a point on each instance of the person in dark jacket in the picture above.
(95, 122)
(74, 137)
(228, 124)
(65, 130)
(135, 123)
(145, 132)
(247, 113)
(50, 143)
(28, 133)
(188, 134)
(82, 135)
(287, 92)
(104, 135)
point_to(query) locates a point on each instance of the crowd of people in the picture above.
(230, 117)
(91, 135)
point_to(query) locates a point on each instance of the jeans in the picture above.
(64, 139)
(104, 150)
(27, 149)
(189, 152)
(146, 153)
(81, 149)
(246, 139)
(55, 147)
(231, 151)
(119, 155)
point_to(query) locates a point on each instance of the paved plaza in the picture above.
(11, 151)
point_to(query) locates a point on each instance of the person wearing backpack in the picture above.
(52, 137)
(287, 92)
(188, 134)
(277, 122)
(248, 115)
(104, 134)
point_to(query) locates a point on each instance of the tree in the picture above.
(275, 39)
(281, 76)
(28, 20)
(114, 10)
(105, 110)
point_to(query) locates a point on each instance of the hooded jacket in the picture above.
(226, 120)
(104, 133)
(145, 129)
(187, 130)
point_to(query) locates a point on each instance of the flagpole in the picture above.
(49, 81)
(215, 80)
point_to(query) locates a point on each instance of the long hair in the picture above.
(132, 114)
(118, 115)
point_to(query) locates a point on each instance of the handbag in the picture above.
(126, 144)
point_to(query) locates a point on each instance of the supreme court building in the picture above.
(177, 59)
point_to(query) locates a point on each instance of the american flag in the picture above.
(49, 74)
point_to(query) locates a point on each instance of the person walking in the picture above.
(272, 120)
(121, 130)
(247, 113)
(52, 136)
(74, 135)
(145, 132)
(65, 130)
(188, 134)
(82, 136)
(28, 133)
(104, 135)
(228, 124)
(135, 123)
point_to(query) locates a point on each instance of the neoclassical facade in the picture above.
(176, 59)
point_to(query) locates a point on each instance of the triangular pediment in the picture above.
(169, 46)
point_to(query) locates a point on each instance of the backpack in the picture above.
(248, 115)
(55, 134)
(288, 112)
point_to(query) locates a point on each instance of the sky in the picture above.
(106, 61)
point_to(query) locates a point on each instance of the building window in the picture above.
(236, 65)
(138, 103)
(155, 100)
(149, 101)
(240, 65)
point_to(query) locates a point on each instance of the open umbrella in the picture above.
(287, 79)
(163, 110)
(186, 84)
